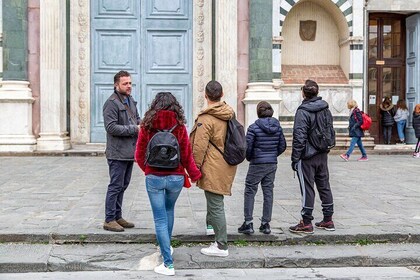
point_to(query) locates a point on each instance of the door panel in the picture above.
(413, 62)
(115, 39)
(167, 51)
(152, 40)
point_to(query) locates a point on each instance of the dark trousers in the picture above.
(264, 174)
(120, 176)
(387, 134)
(417, 146)
(310, 171)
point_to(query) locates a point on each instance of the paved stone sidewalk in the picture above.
(62, 198)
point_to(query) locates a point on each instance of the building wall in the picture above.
(324, 50)
(393, 5)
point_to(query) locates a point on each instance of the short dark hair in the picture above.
(264, 109)
(310, 89)
(120, 74)
(214, 91)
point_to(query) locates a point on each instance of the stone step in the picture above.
(20, 258)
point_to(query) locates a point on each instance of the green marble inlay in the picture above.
(341, 2)
(348, 11)
(291, 2)
(260, 42)
(15, 43)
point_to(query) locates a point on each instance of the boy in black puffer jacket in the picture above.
(265, 142)
(416, 126)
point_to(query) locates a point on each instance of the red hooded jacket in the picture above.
(165, 120)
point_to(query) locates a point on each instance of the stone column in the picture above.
(243, 55)
(226, 49)
(261, 75)
(15, 95)
(53, 134)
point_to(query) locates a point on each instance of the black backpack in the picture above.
(235, 143)
(163, 150)
(322, 134)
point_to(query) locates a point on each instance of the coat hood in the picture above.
(164, 120)
(219, 110)
(314, 104)
(268, 125)
(386, 109)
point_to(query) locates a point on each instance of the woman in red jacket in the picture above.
(165, 184)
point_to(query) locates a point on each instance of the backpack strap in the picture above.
(168, 130)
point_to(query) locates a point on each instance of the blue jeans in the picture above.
(163, 191)
(358, 141)
(400, 129)
(120, 174)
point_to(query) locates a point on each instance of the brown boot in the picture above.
(113, 226)
(124, 223)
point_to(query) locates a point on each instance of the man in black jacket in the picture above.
(121, 120)
(311, 164)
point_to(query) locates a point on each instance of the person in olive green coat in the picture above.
(217, 174)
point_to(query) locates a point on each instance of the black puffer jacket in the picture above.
(416, 124)
(387, 115)
(304, 120)
(265, 141)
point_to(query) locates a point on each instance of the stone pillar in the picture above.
(53, 134)
(15, 95)
(261, 76)
(243, 55)
(226, 49)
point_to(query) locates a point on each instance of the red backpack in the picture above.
(367, 120)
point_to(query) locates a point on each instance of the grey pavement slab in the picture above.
(348, 273)
(101, 257)
(61, 199)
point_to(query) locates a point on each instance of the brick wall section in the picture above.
(322, 74)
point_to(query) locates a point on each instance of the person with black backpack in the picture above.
(313, 126)
(163, 152)
(208, 140)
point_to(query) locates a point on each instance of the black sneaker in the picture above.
(247, 229)
(265, 228)
(326, 225)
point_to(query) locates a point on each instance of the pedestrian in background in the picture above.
(210, 128)
(355, 132)
(164, 185)
(121, 121)
(311, 164)
(416, 126)
(387, 118)
(265, 142)
(400, 118)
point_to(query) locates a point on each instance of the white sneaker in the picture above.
(162, 269)
(209, 230)
(213, 250)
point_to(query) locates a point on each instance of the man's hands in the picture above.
(295, 166)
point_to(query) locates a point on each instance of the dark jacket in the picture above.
(416, 124)
(265, 141)
(387, 115)
(121, 129)
(355, 121)
(165, 120)
(304, 122)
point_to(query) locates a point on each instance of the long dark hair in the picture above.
(163, 101)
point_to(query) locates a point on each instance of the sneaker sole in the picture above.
(113, 229)
(345, 159)
(327, 229)
(214, 254)
(265, 232)
(246, 232)
(297, 231)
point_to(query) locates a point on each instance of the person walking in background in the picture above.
(416, 126)
(387, 118)
(310, 163)
(400, 118)
(217, 175)
(265, 142)
(355, 132)
(121, 121)
(165, 184)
